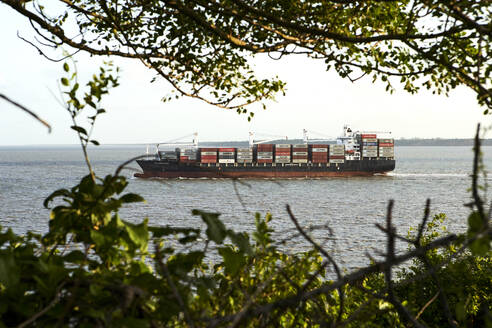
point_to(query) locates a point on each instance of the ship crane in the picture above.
(373, 132)
(305, 136)
(175, 143)
(272, 138)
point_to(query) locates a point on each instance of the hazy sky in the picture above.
(316, 100)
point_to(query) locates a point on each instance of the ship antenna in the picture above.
(195, 139)
(305, 136)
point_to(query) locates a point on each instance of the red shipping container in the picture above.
(208, 149)
(261, 161)
(337, 157)
(227, 149)
(386, 145)
(366, 136)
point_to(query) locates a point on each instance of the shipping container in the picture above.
(337, 161)
(299, 161)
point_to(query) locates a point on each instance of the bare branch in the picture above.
(27, 111)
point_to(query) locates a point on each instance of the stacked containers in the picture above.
(386, 147)
(369, 145)
(319, 153)
(337, 154)
(264, 153)
(244, 155)
(282, 153)
(300, 153)
(227, 155)
(188, 155)
(208, 155)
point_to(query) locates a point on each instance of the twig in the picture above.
(27, 111)
(390, 259)
(170, 281)
(328, 256)
(45, 309)
(426, 305)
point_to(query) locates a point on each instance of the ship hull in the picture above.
(170, 170)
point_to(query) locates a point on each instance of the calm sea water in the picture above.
(348, 208)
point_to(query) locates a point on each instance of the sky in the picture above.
(315, 100)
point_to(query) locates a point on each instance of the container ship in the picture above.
(352, 154)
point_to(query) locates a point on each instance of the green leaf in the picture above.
(64, 81)
(79, 129)
(98, 238)
(216, 230)
(9, 271)
(65, 67)
(74, 257)
(132, 198)
(480, 246)
(475, 222)
(95, 142)
(57, 193)
(138, 234)
(241, 240)
(233, 261)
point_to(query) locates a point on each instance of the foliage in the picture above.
(201, 47)
(93, 268)
(464, 278)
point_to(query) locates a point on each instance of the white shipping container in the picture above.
(320, 150)
(337, 153)
(369, 139)
(282, 161)
(244, 149)
(300, 146)
(299, 160)
(226, 161)
(264, 157)
(244, 161)
(300, 153)
(282, 157)
(226, 153)
(337, 161)
(282, 146)
(209, 153)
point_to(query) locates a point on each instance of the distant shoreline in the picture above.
(437, 142)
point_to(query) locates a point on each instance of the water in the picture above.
(350, 207)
